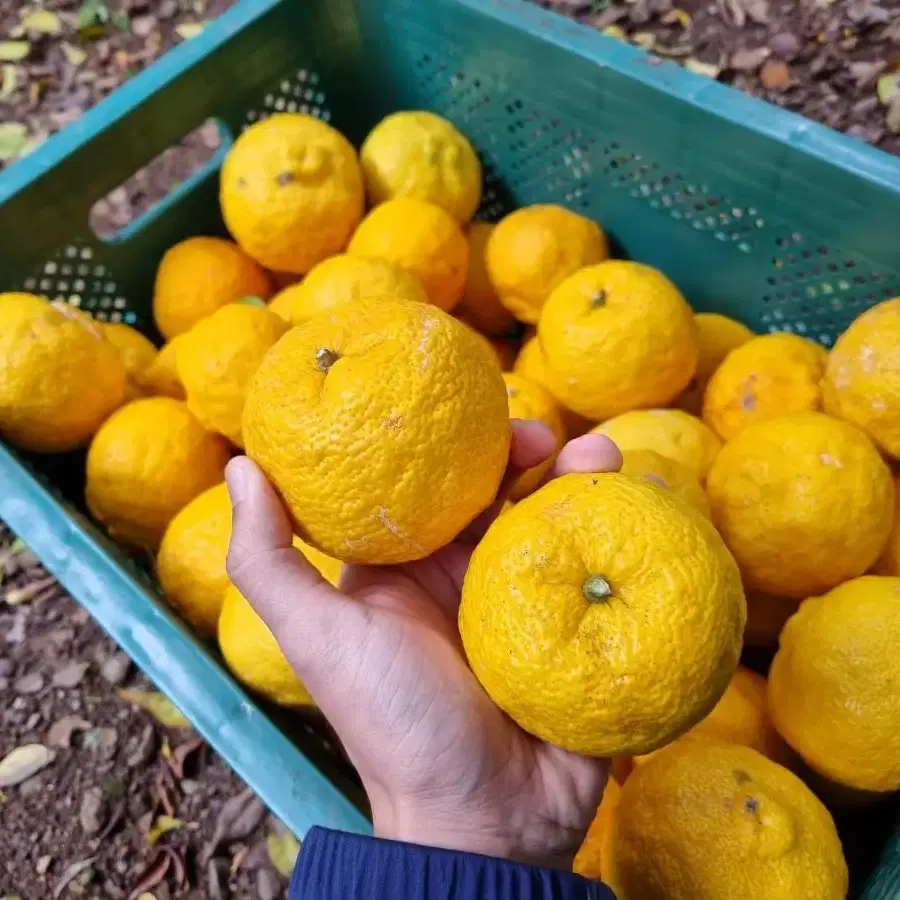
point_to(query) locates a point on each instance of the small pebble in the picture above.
(115, 669)
(31, 683)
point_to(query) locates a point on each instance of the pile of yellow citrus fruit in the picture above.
(366, 343)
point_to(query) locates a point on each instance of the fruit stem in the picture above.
(325, 358)
(598, 299)
(596, 589)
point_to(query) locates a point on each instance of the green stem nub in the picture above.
(325, 358)
(596, 589)
(598, 299)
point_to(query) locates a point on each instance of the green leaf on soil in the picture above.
(75, 55)
(21, 763)
(43, 21)
(888, 86)
(9, 81)
(13, 51)
(162, 825)
(283, 850)
(158, 705)
(13, 137)
(188, 30)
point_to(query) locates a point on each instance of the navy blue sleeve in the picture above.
(338, 866)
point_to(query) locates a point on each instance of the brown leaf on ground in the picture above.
(775, 76)
(158, 705)
(61, 732)
(236, 820)
(71, 873)
(177, 758)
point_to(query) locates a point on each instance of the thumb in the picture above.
(315, 625)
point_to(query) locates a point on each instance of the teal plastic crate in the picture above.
(754, 212)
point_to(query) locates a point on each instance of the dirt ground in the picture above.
(107, 801)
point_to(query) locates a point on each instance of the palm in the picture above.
(383, 658)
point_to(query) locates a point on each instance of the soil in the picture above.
(90, 822)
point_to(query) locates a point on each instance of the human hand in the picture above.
(382, 657)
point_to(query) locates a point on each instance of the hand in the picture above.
(382, 656)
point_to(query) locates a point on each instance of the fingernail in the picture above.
(236, 479)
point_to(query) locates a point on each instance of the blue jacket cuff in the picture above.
(338, 866)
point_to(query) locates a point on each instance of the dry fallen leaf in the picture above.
(43, 21)
(146, 895)
(7, 86)
(614, 31)
(13, 51)
(72, 872)
(74, 55)
(188, 30)
(775, 75)
(23, 762)
(893, 115)
(646, 40)
(888, 87)
(13, 137)
(698, 67)
(61, 731)
(236, 820)
(681, 16)
(158, 705)
(283, 850)
(162, 825)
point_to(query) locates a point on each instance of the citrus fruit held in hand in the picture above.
(191, 559)
(532, 250)
(291, 192)
(603, 615)
(369, 423)
(718, 336)
(136, 352)
(833, 683)
(740, 717)
(721, 822)
(421, 238)
(149, 460)
(59, 377)
(531, 401)
(421, 155)
(617, 336)
(530, 364)
(161, 378)
(345, 279)
(200, 275)
(589, 859)
(766, 616)
(766, 376)
(803, 501)
(672, 433)
(218, 357)
(862, 377)
(667, 473)
(480, 306)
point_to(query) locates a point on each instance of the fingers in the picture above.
(310, 620)
(588, 453)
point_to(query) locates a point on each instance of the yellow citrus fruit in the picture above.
(534, 249)
(668, 474)
(718, 336)
(766, 376)
(368, 421)
(200, 275)
(191, 559)
(136, 352)
(421, 238)
(218, 357)
(721, 822)
(803, 501)
(421, 155)
(833, 683)
(530, 401)
(345, 279)
(59, 377)
(603, 615)
(617, 336)
(672, 433)
(161, 378)
(146, 462)
(292, 192)
(589, 859)
(766, 616)
(740, 717)
(530, 364)
(862, 378)
(480, 306)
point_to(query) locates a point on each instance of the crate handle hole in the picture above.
(175, 172)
